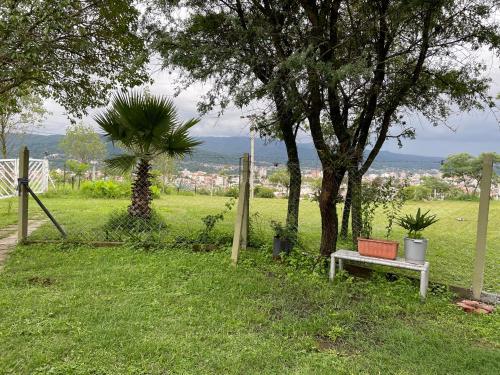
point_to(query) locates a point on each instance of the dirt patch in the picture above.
(41, 281)
(324, 343)
(275, 313)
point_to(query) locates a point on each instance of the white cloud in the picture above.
(475, 132)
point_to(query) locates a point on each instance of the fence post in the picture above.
(246, 202)
(241, 221)
(24, 161)
(482, 226)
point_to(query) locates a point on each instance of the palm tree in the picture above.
(146, 127)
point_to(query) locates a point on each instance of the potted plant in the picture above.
(377, 248)
(415, 245)
(282, 240)
(389, 196)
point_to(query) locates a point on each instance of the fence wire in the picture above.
(97, 206)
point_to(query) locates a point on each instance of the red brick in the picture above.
(486, 307)
(465, 307)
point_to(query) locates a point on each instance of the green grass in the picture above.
(82, 310)
(451, 242)
(8, 211)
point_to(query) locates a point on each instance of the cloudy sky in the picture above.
(473, 132)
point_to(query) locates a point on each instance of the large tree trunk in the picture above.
(141, 192)
(330, 187)
(347, 210)
(355, 179)
(287, 129)
(292, 216)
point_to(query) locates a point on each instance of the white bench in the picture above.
(341, 255)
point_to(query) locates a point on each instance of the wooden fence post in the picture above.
(246, 205)
(240, 237)
(482, 227)
(24, 161)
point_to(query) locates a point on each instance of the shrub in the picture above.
(155, 191)
(169, 190)
(111, 189)
(232, 192)
(205, 236)
(120, 223)
(459, 195)
(417, 193)
(105, 189)
(263, 192)
(257, 235)
(203, 191)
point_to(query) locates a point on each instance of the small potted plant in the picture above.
(282, 239)
(377, 248)
(373, 196)
(415, 245)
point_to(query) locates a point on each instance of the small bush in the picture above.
(155, 191)
(122, 223)
(459, 195)
(257, 236)
(106, 189)
(205, 236)
(203, 191)
(232, 192)
(264, 192)
(417, 193)
(111, 189)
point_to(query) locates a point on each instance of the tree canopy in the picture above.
(83, 144)
(74, 51)
(18, 117)
(352, 68)
(281, 177)
(466, 169)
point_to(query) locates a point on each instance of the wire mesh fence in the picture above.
(96, 206)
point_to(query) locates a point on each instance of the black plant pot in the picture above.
(286, 246)
(281, 245)
(276, 247)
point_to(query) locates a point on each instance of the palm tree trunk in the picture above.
(141, 192)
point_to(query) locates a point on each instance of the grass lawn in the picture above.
(8, 212)
(451, 242)
(80, 310)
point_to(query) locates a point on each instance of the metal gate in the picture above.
(9, 173)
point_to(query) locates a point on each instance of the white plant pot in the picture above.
(415, 250)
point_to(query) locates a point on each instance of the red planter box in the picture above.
(378, 248)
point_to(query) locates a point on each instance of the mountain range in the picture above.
(227, 151)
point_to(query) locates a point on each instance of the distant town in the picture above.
(227, 177)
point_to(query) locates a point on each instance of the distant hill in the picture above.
(217, 151)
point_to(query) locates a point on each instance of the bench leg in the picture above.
(332, 268)
(341, 264)
(424, 282)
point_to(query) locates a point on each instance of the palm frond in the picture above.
(178, 142)
(121, 163)
(147, 125)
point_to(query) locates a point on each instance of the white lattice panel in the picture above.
(9, 172)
